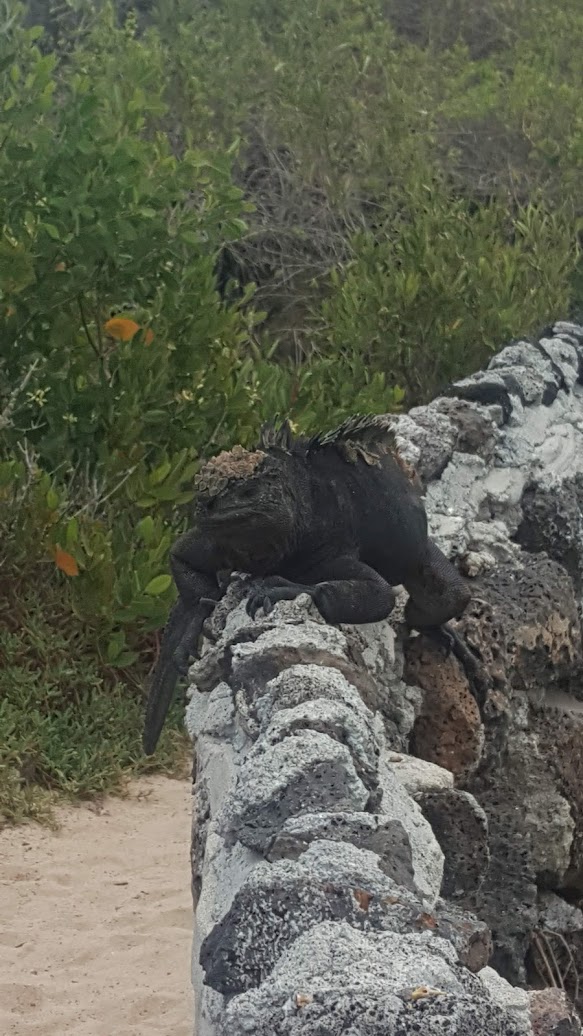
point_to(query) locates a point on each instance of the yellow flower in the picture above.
(39, 396)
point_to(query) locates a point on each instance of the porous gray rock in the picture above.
(470, 937)
(343, 886)
(487, 388)
(552, 521)
(308, 772)
(558, 721)
(461, 827)
(418, 775)
(335, 720)
(556, 949)
(477, 427)
(427, 440)
(277, 903)
(524, 624)
(556, 915)
(335, 980)
(552, 1013)
(529, 373)
(514, 1000)
(427, 855)
(561, 351)
(372, 831)
(298, 684)
(375, 650)
(284, 838)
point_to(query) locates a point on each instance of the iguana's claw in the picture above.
(253, 604)
(474, 669)
(257, 601)
(268, 597)
(261, 598)
(442, 638)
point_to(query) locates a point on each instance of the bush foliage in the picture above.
(211, 214)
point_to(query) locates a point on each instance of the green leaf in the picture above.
(126, 659)
(191, 237)
(72, 532)
(6, 61)
(155, 417)
(158, 585)
(159, 474)
(167, 493)
(115, 646)
(51, 231)
(19, 152)
(146, 529)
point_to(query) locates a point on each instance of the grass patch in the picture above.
(67, 726)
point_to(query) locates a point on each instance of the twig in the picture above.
(571, 964)
(6, 414)
(99, 501)
(6, 137)
(556, 974)
(539, 945)
(86, 328)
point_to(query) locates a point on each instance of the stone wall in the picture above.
(367, 847)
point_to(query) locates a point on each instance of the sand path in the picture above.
(96, 919)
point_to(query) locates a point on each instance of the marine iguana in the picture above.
(337, 516)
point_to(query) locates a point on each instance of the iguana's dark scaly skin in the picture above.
(337, 516)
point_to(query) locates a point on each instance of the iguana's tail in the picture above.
(165, 676)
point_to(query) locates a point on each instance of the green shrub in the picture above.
(438, 296)
(120, 364)
(67, 724)
(370, 125)
(109, 215)
(395, 198)
(72, 670)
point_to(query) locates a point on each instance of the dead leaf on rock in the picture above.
(303, 999)
(362, 898)
(422, 991)
(427, 921)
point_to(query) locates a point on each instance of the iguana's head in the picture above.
(245, 497)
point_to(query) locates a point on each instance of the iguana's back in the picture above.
(365, 500)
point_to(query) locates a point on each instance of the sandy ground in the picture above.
(96, 919)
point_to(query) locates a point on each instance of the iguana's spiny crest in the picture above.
(362, 437)
(366, 437)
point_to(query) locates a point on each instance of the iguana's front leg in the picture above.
(343, 590)
(194, 565)
(439, 593)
